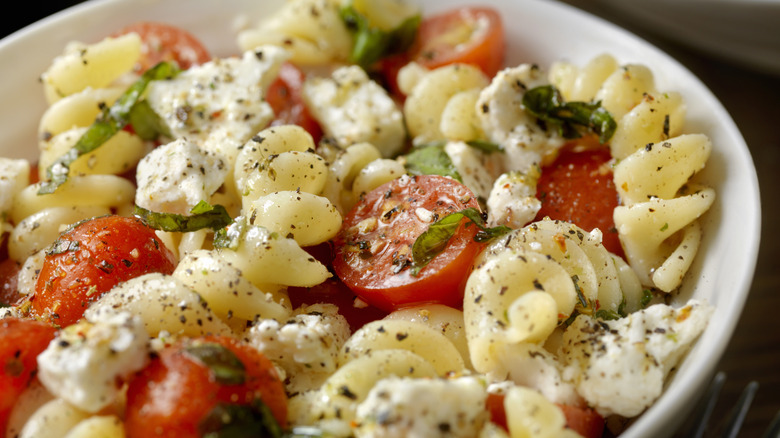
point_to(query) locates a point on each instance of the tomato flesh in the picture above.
(578, 188)
(21, 341)
(467, 35)
(176, 391)
(285, 96)
(373, 248)
(9, 280)
(90, 259)
(165, 42)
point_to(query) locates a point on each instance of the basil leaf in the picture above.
(647, 296)
(371, 43)
(109, 122)
(547, 104)
(203, 215)
(607, 315)
(485, 146)
(431, 160)
(146, 123)
(225, 365)
(240, 421)
(433, 240)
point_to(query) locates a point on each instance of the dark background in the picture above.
(753, 100)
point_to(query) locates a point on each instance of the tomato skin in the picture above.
(21, 341)
(433, 46)
(104, 251)
(578, 188)
(584, 421)
(171, 396)
(373, 248)
(165, 42)
(9, 280)
(285, 96)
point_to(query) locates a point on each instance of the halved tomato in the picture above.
(374, 246)
(165, 42)
(468, 35)
(578, 188)
(92, 257)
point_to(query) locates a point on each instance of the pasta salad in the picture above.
(362, 224)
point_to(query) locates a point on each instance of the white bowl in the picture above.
(537, 31)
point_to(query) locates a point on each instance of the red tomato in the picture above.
(388, 68)
(9, 274)
(164, 42)
(373, 248)
(91, 258)
(21, 341)
(468, 35)
(577, 187)
(286, 99)
(174, 394)
(584, 421)
(334, 291)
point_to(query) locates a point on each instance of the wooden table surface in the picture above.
(753, 100)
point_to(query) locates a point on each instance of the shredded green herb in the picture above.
(433, 240)
(240, 421)
(547, 104)
(431, 160)
(111, 120)
(223, 363)
(203, 215)
(371, 43)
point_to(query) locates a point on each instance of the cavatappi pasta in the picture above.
(542, 301)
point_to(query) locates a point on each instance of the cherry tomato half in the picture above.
(178, 390)
(21, 341)
(285, 96)
(577, 187)
(468, 35)
(165, 42)
(373, 248)
(89, 259)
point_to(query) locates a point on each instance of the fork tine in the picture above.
(697, 424)
(773, 431)
(739, 411)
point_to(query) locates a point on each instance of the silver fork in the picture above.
(699, 426)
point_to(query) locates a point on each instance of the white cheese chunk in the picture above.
(353, 109)
(306, 346)
(407, 407)
(620, 366)
(512, 200)
(220, 104)
(173, 178)
(86, 361)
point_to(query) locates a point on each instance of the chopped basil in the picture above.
(647, 296)
(433, 240)
(225, 365)
(569, 118)
(608, 315)
(431, 160)
(580, 295)
(485, 146)
(109, 122)
(203, 215)
(371, 43)
(240, 421)
(146, 123)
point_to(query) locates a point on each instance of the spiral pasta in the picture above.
(657, 219)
